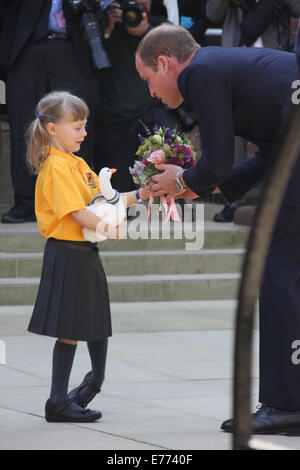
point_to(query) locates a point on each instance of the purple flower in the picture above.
(175, 161)
(163, 142)
(187, 151)
(189, 162)
(168, 136)
(141, 139)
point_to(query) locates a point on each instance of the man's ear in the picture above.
(163, 62)
(51, 129)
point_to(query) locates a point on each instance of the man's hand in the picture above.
(186, 194)
(164, 183)
(114, 15)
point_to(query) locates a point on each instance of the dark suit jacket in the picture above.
(235, 91)
(298, 49)
(19, 24)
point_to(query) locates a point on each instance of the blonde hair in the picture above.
(51, 108)
(169, 40)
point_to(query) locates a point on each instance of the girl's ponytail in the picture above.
(38, 143)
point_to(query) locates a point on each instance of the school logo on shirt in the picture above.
(91, 180)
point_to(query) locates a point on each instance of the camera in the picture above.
(92, 23)
(132, 13)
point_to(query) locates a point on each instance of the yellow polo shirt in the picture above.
(65, 183)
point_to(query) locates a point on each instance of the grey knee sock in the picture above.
(98, 354)
(62, 362)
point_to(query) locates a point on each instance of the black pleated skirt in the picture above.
(73, 298)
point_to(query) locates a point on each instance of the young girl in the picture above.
(73, 301)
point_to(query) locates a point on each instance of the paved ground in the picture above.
(168, 383)
(163, 389)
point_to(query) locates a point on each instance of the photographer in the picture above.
(42, 49)
(246, 21)
(125, 105)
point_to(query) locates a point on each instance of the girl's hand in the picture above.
(144, 193)
(121, 231)
(114, 233)
(129, 199)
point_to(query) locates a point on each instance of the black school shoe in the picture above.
(19, 214)
(268, 420)
(69, 412)
(85, 392)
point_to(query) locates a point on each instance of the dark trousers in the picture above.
(117, 144)
(280, 307)
(40, 68)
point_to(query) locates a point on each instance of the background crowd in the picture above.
(46, 45)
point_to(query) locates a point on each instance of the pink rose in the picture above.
(157, 157)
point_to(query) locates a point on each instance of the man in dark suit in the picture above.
(42, 49)
(243, 92)
(298, 49)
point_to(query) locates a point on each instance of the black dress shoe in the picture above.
(226, 214)
(85, 392)
(19, 214)
(69, 412)
(268, 420)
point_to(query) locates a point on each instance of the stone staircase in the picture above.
(137, 270)
(155, 284)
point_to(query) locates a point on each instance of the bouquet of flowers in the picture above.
(162, 146)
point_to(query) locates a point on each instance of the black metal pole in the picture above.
(284, 156)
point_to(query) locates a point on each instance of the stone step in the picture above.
(27, 239)
(149, 288)
(136, 262)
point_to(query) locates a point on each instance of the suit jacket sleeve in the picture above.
(210, 96)
(8, 31)
(244, 176)
(298, 50)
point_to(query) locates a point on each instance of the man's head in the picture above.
(163, 53)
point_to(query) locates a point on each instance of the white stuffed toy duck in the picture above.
(107, 205)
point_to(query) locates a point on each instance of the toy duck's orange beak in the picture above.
(112, 170)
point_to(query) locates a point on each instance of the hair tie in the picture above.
(39, 116)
